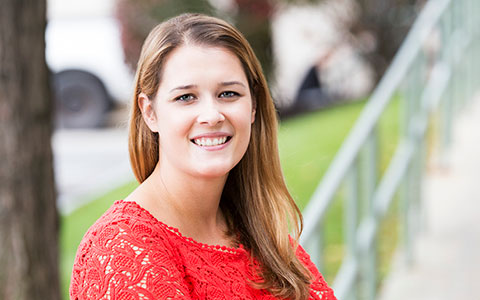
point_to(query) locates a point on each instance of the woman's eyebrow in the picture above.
(191, 86)
(228, 83)
(184, 87)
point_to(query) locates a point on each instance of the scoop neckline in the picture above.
(176, 231)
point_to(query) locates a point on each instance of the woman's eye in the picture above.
(229, 94)
(185, 98)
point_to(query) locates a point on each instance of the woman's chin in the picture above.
(211, 172)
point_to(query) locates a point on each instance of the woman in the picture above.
(210, 219)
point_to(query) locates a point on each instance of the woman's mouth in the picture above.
(213, 141)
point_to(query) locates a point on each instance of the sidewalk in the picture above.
(89, 163)
(447, 252)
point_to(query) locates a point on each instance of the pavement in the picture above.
(447, 252)
(89, 163)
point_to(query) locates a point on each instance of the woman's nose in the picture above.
(210, 114)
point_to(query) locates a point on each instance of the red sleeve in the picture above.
(121, 260)
(318, 288)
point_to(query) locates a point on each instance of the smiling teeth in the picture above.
(210, 142)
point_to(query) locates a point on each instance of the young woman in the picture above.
(210, 218)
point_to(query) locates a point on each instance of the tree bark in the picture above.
(28, 215)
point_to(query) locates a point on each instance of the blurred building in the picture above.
(302, 34)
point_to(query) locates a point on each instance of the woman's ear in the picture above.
(148, 112)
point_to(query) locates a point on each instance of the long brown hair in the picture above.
(255, 200)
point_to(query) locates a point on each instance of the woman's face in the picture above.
(202, 111)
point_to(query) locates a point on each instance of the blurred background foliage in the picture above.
(376, 28)
(138, 17)
(388, 21)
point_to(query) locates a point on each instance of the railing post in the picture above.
(469, 29)
(411, 99)
(315, 246)
(418, 161)
(446, 105)
(351, 221)
(369, 174)
(417, 167)
(476, 46)
(404, 209)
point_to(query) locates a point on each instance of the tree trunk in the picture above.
(28, 215)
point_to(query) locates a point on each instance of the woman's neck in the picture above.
(188, 203)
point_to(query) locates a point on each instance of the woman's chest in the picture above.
(212, 275)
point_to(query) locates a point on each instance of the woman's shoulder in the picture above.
(124, 230)
(124, 244)
(124, 220)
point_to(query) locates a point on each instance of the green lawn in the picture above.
(307, 145)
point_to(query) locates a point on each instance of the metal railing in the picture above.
(432, 76)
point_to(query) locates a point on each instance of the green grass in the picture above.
(307, 145)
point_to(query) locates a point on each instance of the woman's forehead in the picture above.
(193, 64)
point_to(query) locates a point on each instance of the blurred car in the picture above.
(89, 76)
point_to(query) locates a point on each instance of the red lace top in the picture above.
(128, 254)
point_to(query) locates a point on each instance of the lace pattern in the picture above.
(128, 254)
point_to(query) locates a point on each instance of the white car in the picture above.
(85, 56)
